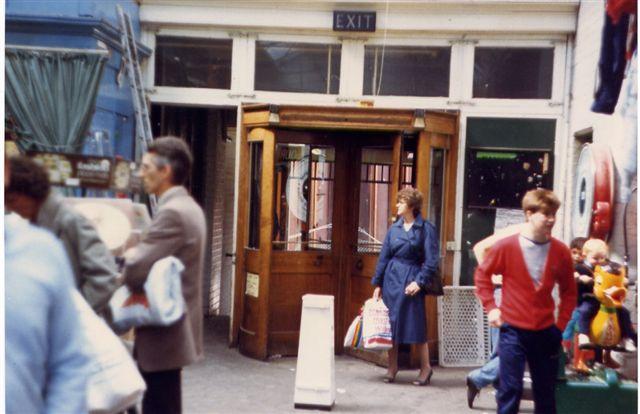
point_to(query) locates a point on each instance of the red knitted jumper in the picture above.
(523, 305)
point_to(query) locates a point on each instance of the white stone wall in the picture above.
(607, 129)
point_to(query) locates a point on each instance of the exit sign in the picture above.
(354, 21)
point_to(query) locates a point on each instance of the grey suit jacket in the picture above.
(177, 229)
(93, 265)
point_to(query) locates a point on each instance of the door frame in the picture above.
(263, 123)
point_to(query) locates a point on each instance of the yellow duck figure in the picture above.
(609, 289)
(604, 333)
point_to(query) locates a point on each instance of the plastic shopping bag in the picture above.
(161, 304)
(353, 338)
(115, 383)
(376, 328)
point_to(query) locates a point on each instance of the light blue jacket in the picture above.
(46, 369)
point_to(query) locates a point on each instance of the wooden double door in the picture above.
(317, 208)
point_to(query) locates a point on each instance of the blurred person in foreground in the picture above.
(29, 194)
(177, 229)
(46, 369)
(531, 263)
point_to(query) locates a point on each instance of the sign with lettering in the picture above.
(87, 171)
(354, 21)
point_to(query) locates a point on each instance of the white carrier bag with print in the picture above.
(115, 383)
(162, 303)
(376, 328)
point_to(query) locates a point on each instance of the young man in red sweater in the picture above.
(531, 263)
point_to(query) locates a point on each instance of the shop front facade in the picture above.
(317, 113)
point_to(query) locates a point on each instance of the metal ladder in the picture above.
(144, 135)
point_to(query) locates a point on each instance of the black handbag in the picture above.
(434, 284)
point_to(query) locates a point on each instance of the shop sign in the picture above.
(87, 171)
(354, 21)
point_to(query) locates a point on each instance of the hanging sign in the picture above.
(354, 21)
(87, 171)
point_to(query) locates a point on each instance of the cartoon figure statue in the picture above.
(610, 327)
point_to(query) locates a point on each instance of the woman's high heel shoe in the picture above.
(426, 381)
(389, 378)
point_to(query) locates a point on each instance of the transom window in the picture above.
(512, 73)
(406, 70)
(194, 63)
(297, 67)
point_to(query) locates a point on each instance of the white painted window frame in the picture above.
(351, 82)
(525, 105)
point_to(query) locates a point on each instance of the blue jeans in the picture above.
(567, 335)
(541, 349)
(488, 373)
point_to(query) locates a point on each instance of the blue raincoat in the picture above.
(407, 256)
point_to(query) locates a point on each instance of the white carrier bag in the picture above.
(115, 383)
(161, 304)
(376, 328)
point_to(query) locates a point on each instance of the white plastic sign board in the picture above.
(315, 372)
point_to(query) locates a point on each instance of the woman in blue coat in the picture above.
(409, 258)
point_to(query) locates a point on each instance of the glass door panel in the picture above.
(408, 163)
(373, 209)
(304, 187)
(436, 188)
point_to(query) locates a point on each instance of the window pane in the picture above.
(406, 71)
(297, 67)
(517, 73)
(255, 195)
(375, 183)
(195, 63)
(303, 205)
(408, 163)
(436, 189)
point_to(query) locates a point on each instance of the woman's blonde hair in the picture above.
(412, 197)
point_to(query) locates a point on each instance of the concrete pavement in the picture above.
(228, 382)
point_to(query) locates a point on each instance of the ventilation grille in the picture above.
(464, 329)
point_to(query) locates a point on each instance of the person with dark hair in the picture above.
(47, 370)
(584, 287)
(576, 249)
(177, 229)
(529, 331)
(29, 195)
(408, 260)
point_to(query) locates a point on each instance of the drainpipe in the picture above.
(568, 171)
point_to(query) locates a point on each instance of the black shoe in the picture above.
(425, 381)
(472, 392)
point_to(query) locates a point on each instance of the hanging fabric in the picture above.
(51, 95)
(616, 50)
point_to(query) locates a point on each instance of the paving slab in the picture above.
(228, 382)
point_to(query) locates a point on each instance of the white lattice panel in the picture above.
(463, 327)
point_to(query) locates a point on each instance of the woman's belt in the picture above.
(407, 261)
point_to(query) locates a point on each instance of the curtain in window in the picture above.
(51, 96)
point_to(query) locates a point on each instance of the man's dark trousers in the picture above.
(164, 392)
(541, 349)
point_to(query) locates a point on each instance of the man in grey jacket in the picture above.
(177, 229)
(29, 194)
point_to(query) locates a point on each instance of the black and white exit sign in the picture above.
(354, 21)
